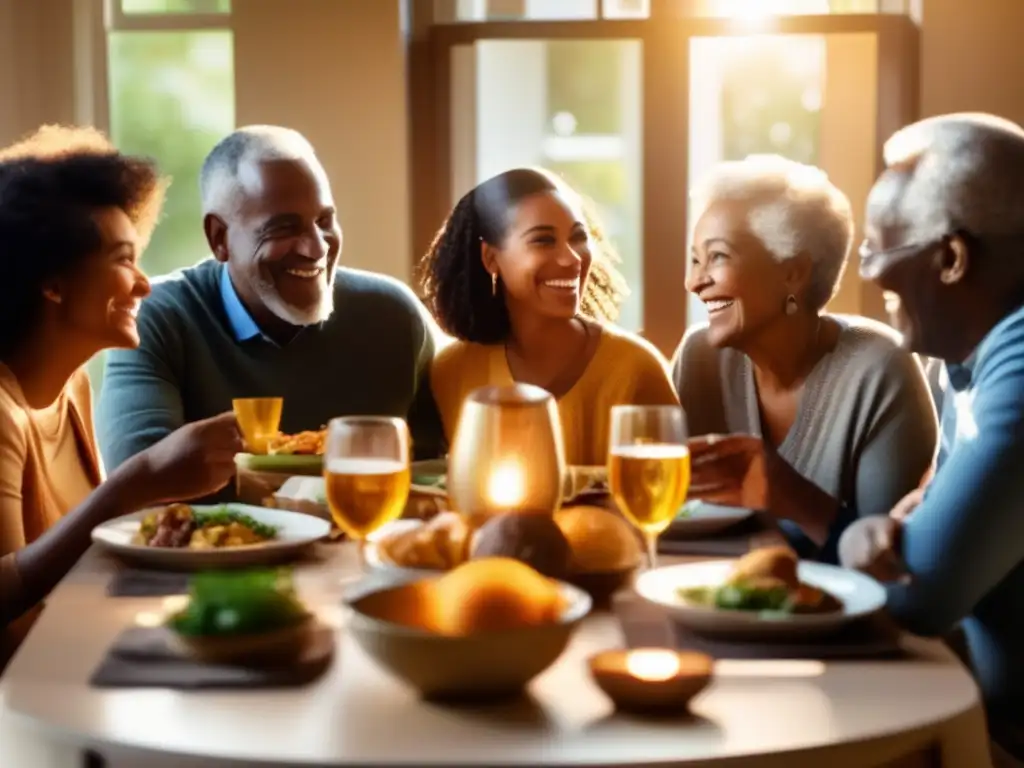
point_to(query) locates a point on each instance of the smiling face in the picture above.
(281, 242)
(743, 286)
(544, 259)
(98, 301)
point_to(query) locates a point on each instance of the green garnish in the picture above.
(429, 481)
(739, 597)
(239, 603)
(224, 515)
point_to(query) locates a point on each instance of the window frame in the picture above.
(93, 21)
(665, 40)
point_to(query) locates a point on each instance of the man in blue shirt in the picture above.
(270, 315)
(945, 239)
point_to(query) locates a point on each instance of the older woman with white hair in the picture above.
(843, 412)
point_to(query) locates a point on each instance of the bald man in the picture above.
(271, 314)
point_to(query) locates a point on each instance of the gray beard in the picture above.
(299, 316)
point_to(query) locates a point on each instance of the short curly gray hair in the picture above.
(792, 209)
(962, 171)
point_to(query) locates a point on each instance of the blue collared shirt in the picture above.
(964, 544)
(242, 325)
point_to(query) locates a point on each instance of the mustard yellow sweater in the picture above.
(625, 370)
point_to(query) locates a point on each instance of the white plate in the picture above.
(860, 595)
(372, 555)
(706, 519)
(295, 532)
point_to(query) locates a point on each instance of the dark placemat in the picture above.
(143, 582)
(145, 657)
(734, 541)
(645, 625)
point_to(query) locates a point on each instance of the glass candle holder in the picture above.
(507, 454)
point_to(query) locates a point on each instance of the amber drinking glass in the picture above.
(259, 419)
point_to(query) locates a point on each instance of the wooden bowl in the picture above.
(651, 680)
(277, 647)
(480, 667)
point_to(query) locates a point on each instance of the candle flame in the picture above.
(507, 484)
(652, 666)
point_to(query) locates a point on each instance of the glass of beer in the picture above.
(366, 471)
(649, 467)
(259, 419)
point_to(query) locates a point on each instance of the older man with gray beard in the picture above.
(945, 238)
(270, 315)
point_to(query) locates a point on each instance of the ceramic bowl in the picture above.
(484, 666)
(280, 646)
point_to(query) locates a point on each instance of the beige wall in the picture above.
(972, 57)
(36, 66)
(335, 70)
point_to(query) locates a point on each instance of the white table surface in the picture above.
(757, 713)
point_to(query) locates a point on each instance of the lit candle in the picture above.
(506, 486)
(652, 665)
(651, 679)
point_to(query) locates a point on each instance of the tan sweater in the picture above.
(48, 465)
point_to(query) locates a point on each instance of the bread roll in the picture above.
(600, 541)
(532, 539)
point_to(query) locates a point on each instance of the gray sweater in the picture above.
(865, 430)
(371, 357)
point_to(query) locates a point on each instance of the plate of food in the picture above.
(298, 454)
(765, 594)
(192, 537)
(697, 519)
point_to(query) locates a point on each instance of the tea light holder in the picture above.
(651, 680)
(507, 454)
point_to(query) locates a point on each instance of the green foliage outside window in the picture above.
(172, 97)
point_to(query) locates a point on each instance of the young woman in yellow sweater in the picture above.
(74, 216)
(520, 277)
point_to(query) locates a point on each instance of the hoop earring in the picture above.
(494, 283)
(791, 305)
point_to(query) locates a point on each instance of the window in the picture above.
(564, 10)
(175, 6)
(549, 10)
(170, 96)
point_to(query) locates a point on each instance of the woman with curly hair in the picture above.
(520, 276)
(74, 217)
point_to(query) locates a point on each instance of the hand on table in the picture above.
(730, 470)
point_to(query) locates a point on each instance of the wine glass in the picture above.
(366, 473)
(649, 467)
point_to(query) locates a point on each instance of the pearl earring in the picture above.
(494, 283)
(791, 305)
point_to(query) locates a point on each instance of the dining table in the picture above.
(921, 710)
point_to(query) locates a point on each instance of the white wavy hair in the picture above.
(792, 208)
(961, 171)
